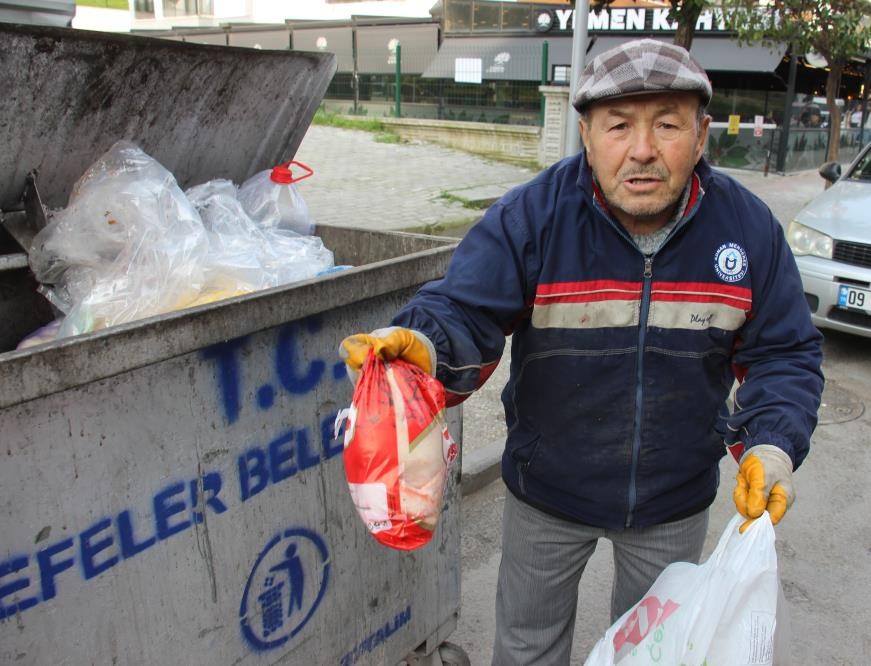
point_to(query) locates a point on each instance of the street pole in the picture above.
(783, 147)
(355, 77)
(544, 76)
(579, 52)
(397, 93)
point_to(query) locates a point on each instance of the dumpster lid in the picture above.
(202, 111)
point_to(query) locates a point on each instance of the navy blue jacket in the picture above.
(621, 364)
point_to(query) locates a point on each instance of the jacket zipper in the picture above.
(642, 334)
(639, 379)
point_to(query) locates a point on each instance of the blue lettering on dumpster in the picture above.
(285, 588)
(285, 456)
(27, 580)
(377, 637)
(105, 543)
(31, 577)
(293, 374)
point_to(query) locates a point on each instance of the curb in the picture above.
(481, 467)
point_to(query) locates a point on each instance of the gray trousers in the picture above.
(543, 558)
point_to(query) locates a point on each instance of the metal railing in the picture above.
(442, 90)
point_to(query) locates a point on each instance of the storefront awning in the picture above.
(715, 54)
(332, 40)
(261, 39)
(519, 58)
(219, 38)
(501, 58)
(376, 48)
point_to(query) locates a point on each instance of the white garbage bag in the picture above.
(727, 611)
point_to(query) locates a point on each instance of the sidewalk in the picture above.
(390, 186)
(381, 186)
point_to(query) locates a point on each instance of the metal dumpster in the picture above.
(170, 489)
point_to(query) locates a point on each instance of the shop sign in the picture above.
(757, 126)
(467, 70)
(625, 19)
(734, 124)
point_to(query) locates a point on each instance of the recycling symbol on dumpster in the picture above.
(284, 588)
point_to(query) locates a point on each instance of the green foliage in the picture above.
(727, 151)
(465, 203)
(324, 117)
(836, 29)
(387, 137)
(382, 134)
(104, 4)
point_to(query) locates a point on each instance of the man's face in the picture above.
(642, 151)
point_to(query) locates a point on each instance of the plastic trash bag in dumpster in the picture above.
(131, 244)
(128, 244)
(245, 256)
(273, 200)
(397, 451)
(723, 612)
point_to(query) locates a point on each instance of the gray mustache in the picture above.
(644, 171)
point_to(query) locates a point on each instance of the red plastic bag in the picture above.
(397, 451)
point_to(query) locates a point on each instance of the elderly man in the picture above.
(638, 285)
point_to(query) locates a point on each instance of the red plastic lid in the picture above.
(283, 173)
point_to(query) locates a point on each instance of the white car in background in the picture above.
(831, 241)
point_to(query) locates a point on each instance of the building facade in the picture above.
(485, 60)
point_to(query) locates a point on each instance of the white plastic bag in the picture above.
(129, 244)
(244, 256)
(272, 199)
(722, 612)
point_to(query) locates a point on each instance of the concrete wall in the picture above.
(518, 143)
(556, 108)
(523, 144)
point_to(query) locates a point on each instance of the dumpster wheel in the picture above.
(452, 654)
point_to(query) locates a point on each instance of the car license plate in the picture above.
(854, 299)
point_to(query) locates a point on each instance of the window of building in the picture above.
(515, 17)
(487, 16)
(561, 74)
(143, 8)
(748, 104)
(185, 7)
(458, 16)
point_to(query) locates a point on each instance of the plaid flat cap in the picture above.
(638, 67)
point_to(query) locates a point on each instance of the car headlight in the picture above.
(804, 240)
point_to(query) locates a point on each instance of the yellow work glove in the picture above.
(388, 343)
(764, 483)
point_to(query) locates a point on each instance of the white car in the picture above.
(831, 241)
